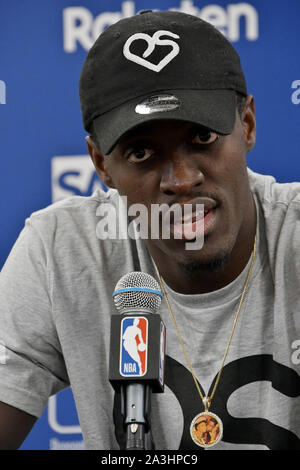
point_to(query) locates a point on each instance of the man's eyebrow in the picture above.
(136, 132)
(147, 131)
(132, 141)
(133, 136)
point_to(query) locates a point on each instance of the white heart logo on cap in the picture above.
(152, 42)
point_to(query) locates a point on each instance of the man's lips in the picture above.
(195, 218)
(190, 207)
(195, 228)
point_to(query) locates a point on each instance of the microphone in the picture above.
(137, 352)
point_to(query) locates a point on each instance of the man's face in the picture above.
(171, 162)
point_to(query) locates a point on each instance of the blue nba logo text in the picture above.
(134, 346)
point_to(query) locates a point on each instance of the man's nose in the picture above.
(181, 175)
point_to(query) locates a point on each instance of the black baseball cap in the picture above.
(159, 65)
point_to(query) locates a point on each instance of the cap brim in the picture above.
(214, 109)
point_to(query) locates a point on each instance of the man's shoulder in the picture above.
(279, 216)
(75, 203)
(75, 206)
(273, 194)
(70, 216)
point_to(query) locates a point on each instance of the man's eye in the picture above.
(206, 137)
(139, 155)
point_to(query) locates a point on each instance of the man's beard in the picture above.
(215, 265)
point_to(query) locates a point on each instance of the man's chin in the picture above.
(196, 266)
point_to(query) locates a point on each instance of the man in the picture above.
(164, 99)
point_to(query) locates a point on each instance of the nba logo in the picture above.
(134, 344)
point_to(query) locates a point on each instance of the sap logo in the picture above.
(2, 92)
(73, 175)
(81, 28)
(296, 94)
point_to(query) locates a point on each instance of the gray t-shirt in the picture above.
(56, 303)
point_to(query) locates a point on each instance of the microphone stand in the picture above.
(135, 408)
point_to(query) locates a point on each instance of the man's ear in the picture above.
(249, 122)
(99, 162)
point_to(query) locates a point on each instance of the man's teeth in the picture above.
(195, 215)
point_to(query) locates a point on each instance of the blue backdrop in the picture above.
(43, 153)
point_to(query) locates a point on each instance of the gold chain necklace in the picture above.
(206, 428)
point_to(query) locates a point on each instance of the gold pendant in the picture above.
(206, 429)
